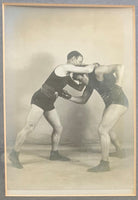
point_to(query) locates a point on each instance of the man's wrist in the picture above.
(118, 84)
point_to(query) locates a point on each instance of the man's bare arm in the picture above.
(118, 69)
(74, 69)
(84, 98)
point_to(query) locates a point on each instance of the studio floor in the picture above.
(40, 176)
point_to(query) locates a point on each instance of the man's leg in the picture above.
(110, 117)
(119, 152)
(113, 138)
(34, 116)
(53, 119)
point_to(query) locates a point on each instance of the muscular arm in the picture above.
(84, 98)
(117, 69)
(119, 74)
(66, 68)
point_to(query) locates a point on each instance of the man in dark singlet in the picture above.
(107, 81)
(42, 103)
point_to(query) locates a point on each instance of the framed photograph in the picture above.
(68, 99)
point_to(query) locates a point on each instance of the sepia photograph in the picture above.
(69, 90)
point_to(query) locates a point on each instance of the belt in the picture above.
(49, 91)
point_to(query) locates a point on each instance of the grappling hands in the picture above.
(65, 94)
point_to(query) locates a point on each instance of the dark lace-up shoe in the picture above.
(54, 155)
(14, 158)
(102, 167)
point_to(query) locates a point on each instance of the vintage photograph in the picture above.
(69, 100)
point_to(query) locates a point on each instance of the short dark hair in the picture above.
(75, 54)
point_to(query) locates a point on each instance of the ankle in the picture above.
(54, 151)
(105, 159)
(16, 151)
(104, 162)
(118, 148)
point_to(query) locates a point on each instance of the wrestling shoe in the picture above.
(102, 167)
(54, 155)
(118, 154)
(14, 158)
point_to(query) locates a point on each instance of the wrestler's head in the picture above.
(82, 78)
(77, 77)
(75, 58)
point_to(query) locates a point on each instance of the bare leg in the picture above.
(119, 153)
(115, 141)
(32, 120)
(105, 141)
(53, 119)
(113, 137)
(110, 117)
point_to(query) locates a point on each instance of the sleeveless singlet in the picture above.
(46, 95)
(55, 83)
(108, 90)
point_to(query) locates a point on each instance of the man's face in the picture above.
(77, 61)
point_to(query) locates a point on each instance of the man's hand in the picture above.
(64, 94)
(96, 64)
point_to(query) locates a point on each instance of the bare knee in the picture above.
(113, 136)
(102, 130)
(29, 127)
(58, 129)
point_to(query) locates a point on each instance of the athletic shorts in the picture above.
(41, 100)
(117, 96)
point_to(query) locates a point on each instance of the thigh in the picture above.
(53, 118)
(111, 115)
(34, 115)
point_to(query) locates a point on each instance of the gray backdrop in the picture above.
(30, 90)
(39, 39)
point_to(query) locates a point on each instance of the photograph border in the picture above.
(40, 3)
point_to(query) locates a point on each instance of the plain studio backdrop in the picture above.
(38, 39)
